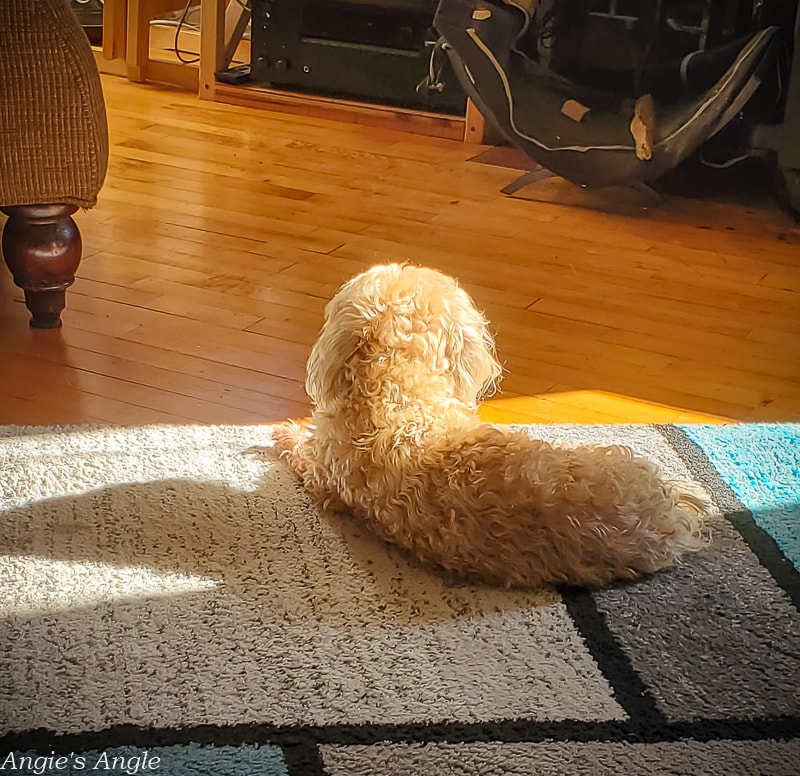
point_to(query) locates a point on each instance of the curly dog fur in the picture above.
(396, 376)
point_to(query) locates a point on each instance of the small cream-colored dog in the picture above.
(396, 376)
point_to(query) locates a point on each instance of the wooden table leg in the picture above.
(212, 45)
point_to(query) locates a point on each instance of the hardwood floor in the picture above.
(222, 231)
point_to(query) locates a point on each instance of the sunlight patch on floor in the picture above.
(586, 406)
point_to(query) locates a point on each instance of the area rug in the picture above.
(170, 602)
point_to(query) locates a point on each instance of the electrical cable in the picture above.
(176, 47)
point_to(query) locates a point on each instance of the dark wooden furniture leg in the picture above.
(42, 248)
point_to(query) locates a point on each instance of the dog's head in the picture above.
(411, 318)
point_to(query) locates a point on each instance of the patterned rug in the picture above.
(171, 603)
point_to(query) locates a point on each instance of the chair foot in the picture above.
(42, 248)
(534, 176)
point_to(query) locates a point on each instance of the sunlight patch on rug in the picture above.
(74, 584)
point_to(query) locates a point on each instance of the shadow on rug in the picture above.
(170, 604)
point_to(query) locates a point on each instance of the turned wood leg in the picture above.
(42, 248)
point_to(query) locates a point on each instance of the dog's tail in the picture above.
(680, 527)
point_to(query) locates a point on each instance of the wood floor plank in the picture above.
(185, 393)
(266, 354)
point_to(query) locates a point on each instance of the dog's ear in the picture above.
(471, 353)
(327, 368)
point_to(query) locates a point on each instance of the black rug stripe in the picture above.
(629, 689)
(765, 548)
(294, 739)
(303, 758)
